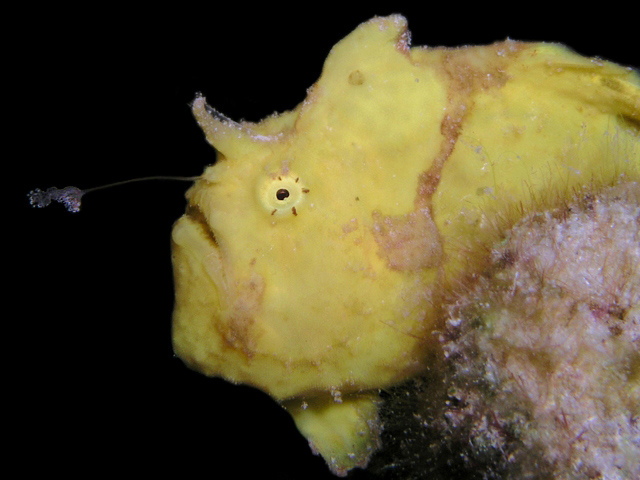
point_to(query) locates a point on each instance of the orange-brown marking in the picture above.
(412, 241)
(238, 332)
(408, 242)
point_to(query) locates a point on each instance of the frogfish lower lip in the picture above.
(199, 279)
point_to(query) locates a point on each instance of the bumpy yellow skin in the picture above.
(313, 255)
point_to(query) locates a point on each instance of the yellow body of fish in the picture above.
(314, 254)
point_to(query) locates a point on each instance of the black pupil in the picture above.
(282, 194)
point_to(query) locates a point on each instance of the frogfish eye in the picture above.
(281, 194)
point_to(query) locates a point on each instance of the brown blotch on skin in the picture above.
(238, 332)
(466, 70)
(350, 226)
(408, 242)
(478, 68)
(428, 181)
(356, 78)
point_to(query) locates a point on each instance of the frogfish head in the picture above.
(301, 262)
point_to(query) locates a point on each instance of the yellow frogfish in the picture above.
(315, 252)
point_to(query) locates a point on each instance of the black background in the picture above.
(100, 94)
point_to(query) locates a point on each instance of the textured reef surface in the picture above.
(540, 372)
